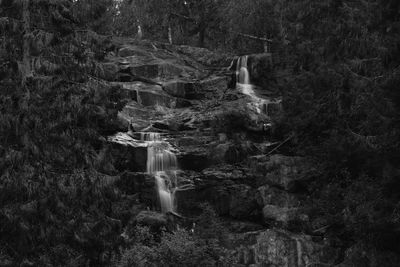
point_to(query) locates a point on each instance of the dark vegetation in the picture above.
(338, 72)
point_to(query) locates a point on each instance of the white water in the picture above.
(242, 71)
(162, 163)
(244, 85)
(299, 252)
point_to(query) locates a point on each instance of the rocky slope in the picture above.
(222, 143)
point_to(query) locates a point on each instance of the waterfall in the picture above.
(244, 85)
(162, 163)
(242, 72)
(299, 252)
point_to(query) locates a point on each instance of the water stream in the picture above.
(244, 85)
(162, 163)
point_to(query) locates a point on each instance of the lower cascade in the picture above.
(162, 163)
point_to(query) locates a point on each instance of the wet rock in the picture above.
(281, 248)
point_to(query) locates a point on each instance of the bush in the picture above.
(181, 247)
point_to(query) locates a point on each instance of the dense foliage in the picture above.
(50, 128)
(343, 106)
(201, 246)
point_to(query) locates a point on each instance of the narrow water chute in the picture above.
(162, 163)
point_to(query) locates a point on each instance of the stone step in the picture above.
(197, 90)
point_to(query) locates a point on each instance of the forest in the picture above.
(200, 133)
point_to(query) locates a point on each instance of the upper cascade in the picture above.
(244, 85)
(150, 137)
(242, 72)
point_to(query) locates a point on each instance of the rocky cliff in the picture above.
(221, 137)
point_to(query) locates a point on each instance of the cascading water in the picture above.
(162, 163)
(244, 85)
(242, 71)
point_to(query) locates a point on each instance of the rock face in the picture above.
(213, 87)
(221, 142)
(280, 248)
(282, 171)
(225, 188)
(127, 153)
(280, 206)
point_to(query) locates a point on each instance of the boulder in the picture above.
(280, 248)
